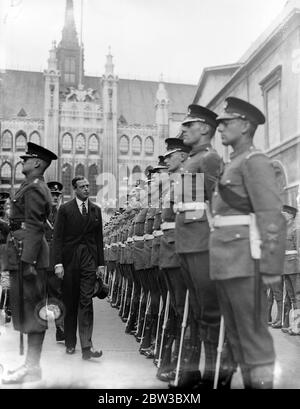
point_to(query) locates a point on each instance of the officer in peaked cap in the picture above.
(54, 283)
(246, 198)
(28, 258)
(192, 244)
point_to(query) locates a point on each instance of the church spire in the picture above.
(109, 66)
(69, 33)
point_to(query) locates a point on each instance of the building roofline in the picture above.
(207, 70)
(256, 52)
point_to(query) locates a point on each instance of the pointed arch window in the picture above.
(149, 145)
(6, 174)
(136, 145)
(136, 173)
(35, 138)
(93, 172)
(18, 173)
(21, 141)
(80, 143)
(67, 143)
(67, 178)
(7, 139)
(93, 143)
(79, 170)
(124, 144)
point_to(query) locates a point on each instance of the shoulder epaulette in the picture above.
(254, 153)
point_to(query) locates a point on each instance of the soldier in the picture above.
(291, 270)
(247, 187)
(192, 238)
(4, 275)
(53, 282)
(28, 258)
(169, 263)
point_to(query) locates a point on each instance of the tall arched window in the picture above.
(18, 173)
(124, 144)
(21, 141)
(6, 174)
(7, 140)
(93, 143)
(136, 145)
(67, 143)
(79, 170)
(80, 143)
(93, 172)
(67, 178)
(149, 145)
(35, 138)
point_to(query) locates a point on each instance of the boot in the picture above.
(146, 339)
(295, 324)
(131, 322)
(141, 322)
(286, 319)
(190, 375)
(261, 377)
(31, 370)
(277, 323)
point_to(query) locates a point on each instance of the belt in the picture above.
(188, 206)
(122, 245)
(138, 238)
(17, 226)
(148, 236)
(114, 245)
(129, 240)
(290, 252)
(234, 220)
(157, 233)
(167, 226)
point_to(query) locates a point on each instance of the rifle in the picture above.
(183, 326)
(166, 316)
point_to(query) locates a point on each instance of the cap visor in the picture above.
(225, 115)
(26, 156)
(168, 153)
(190, 119)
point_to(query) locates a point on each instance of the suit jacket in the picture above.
(72, 229)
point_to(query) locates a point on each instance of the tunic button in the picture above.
(216, 194)
(214, 212)
(228, 181)
(237, 236)
(194, 218)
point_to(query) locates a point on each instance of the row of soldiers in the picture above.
(190, 273)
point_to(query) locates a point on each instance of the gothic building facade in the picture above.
(96, 124)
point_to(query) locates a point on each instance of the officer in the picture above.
(54, 283)
(169, 263)
(247, 187)
(29, 212)
(199, 173)
(291, 270)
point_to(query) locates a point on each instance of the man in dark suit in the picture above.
(78, 255)
(53, 282)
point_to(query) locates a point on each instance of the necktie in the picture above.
(84, 212)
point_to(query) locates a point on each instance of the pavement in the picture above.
(121, 366)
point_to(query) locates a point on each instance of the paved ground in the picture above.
(121, 365)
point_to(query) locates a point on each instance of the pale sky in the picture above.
(148, 37)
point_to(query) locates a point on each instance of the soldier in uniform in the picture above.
(192, 237)
(169, 263)
(4, 275)
(247, 187)
(53, 282)
(30, 209)
(291, 271)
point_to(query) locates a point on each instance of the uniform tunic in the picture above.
(30, 209)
